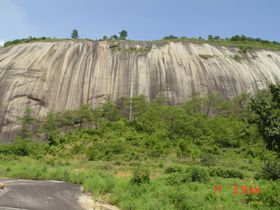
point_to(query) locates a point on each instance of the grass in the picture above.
(166, 189)
(157, 194)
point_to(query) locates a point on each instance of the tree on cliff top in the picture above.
(123, 34)
(75, 34)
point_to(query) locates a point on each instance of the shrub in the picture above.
(237, 57)
(208, 159)
(173, 169)
(226, 173)
(269, 197)
(271, 170)
(180, 200)
(179, 178)
(170, 37)
(140, 176)
(199, 174)
(23, 147)
(206, 57)
(99, 183)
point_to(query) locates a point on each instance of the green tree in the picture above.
(210, 37)
(266, 105)
(123, 34)
(27, 122)
(75, 34)
(50, 128)
(170, 37)
(114, 37)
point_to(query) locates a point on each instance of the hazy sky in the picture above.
(143, 19)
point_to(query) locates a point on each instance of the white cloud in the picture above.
(13, 20)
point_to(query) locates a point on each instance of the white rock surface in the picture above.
(65, 74)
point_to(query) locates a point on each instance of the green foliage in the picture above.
(199, 174)
(75, 34)
(173, 169)
(123, 34)
(178, 178)
(266, 105)
(27, 123)
(23, 147)
(179, 144)
(237, 57)
(116, 47)
(226, 173)
(206, 57)
(50, 128)
(271, 195)
(208, 159)
(269, 198)
(140, 176)
(99, 183)
(170, 37)
(26, 40)
(114, 37)
(271, 170)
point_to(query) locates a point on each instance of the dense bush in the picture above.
(174, 169)
(178, 178)
(266, 106)
(208, 159)
(226, 173)
(140, 176)
(271, 170)
(199, 174)
(269, 198)
(23, 148)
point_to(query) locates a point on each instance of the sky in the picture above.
(143, 19)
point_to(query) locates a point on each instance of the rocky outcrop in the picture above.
(65, 74)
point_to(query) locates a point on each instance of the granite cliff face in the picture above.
(65, 74)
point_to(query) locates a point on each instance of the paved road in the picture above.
(39, 195)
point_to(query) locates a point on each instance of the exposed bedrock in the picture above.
(63, 75)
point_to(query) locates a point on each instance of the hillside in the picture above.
(66, 74)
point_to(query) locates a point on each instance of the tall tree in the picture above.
(27, 122)
(50, 128)
(266, 105)
(75, 34)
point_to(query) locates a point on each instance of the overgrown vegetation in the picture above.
(237, 57)
(244, 43)
(27, 40)
(140, 155)
(206, 57)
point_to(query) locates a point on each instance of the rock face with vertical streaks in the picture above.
(65, 74)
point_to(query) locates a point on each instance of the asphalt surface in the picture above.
(39, 195)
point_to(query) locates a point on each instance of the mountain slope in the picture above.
(63, 75)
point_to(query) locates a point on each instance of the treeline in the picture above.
(27, 40)
(239, 38)
(159, 128)
(142, 116)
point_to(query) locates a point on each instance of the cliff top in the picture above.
(244, 45)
